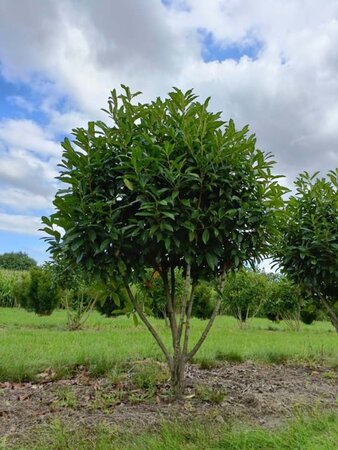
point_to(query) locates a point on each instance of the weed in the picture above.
(147, 374)
(210, 394)
(330, 374)
(66, 397)
(106, 401)
(116, 375)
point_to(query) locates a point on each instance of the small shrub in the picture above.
(204, 301)
(37, 292)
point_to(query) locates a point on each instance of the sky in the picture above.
(272, 64)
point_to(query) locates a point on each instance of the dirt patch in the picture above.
(259, 394)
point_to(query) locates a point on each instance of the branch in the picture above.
(184, 302)
(152, 330)
(187, 325)
(171, 312)
(197, 346)
(333, 317)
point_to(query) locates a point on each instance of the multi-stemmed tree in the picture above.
(163, 186)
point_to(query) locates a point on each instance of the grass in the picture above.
(30, 344)
(310, 433)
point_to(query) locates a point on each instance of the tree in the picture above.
(166, 185)
(307, 250)
(245, 294)
(284, 301)
(16, 261)
(78, 294)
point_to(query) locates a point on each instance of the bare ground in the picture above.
(258, 394)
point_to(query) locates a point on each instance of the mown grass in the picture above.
(29, 344)
(310, 433)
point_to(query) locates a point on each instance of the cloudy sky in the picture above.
(270, 63)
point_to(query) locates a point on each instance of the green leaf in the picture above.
(122, 267)
(128, 183)
(135, 319)
(116, 299)
(205, 236)
(212, 260)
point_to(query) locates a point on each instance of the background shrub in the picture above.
(37, 291)
(204, 301)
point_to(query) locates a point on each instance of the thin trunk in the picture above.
(188, 318)
(152, 330)
(331, 313)
(177, 376)
(170, 309)
(166, 318)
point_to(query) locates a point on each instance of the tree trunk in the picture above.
(177, 375)
(331, 313)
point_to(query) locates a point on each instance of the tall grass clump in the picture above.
(8, 280)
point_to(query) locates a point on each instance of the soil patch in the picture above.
(258, 394)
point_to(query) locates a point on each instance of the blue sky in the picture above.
(270, 64)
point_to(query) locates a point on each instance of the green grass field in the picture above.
(29, 344)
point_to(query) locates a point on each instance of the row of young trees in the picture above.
(168, 186)
(247, 294)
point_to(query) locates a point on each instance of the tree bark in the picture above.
(177, 375)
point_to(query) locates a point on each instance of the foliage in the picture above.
(307, 250)
(8, 280)
(113, 306)
(166, 185)
(152, 289)
(245, 293)
(204, 300)
(284, 301)
(16, 261)
(79, 294)
(37, 291)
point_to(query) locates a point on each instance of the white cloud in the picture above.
(22, 200)
(20, 224)
(27, 135)
(79, 51)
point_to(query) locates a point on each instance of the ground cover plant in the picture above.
(164, 186)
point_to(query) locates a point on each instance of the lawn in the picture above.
(279, 392)
(29, 344)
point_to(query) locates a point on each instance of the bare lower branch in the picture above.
(184, 302)
(332, 314)
(144, 319)
(197, 346)
(171, 311)
(188, 318)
